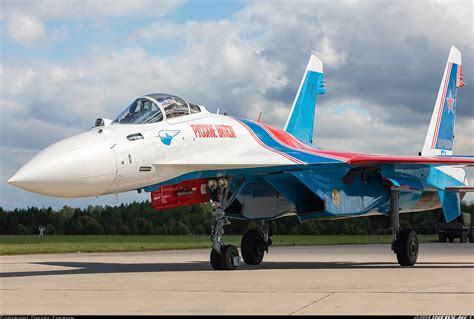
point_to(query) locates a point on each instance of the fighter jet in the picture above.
(183, 154)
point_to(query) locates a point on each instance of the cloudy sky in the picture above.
(65, 63)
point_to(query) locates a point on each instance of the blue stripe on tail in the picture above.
(301, 121)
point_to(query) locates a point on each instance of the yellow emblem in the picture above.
(336, 198)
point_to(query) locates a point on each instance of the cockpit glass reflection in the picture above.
(140, 111)
(145, 110)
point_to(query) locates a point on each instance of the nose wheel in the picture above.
(216, 260)
(228, 259)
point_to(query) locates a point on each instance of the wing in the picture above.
(367, 159)
(378, 159)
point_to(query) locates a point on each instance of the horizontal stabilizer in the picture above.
(451, 203)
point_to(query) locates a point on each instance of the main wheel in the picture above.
(442, 237)
(471, 236)
(407, 248)
(251, 247)
(451, 239)
(216, 260)
(228, 253)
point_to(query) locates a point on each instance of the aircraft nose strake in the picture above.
(83, 165)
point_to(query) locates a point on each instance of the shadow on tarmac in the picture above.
(110, 268)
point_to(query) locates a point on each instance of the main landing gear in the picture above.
(254, 244)
(405, 242)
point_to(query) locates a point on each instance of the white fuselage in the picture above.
(103, 161)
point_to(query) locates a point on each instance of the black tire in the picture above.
(451, 239)
(442, 237)
(251, 247)
(227, 257)
(407, 248)
(471, 236)
(216, 260)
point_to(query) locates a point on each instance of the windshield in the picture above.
(140, 111)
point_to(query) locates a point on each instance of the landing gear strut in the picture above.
(223, 257)
(405, 242)
(254, 244)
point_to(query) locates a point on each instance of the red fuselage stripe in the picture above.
(269, 148)
(291, 142)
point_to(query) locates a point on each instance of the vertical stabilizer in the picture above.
(440, 137)
(301, 120)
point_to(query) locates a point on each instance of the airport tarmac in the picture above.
(359, 279)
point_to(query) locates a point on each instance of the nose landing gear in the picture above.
(223, 257)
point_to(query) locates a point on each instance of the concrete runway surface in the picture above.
(359, 279)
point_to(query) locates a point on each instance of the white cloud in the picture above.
(25, 20)
(348, 125)
(329, 55)
(75, 93)
(27, 30)
(80, 9)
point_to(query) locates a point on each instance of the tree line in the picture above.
(139, 218)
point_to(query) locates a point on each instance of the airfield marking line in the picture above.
(408, 292)
(435, 286)
(310, 304)
(156, 290)
(252, 292)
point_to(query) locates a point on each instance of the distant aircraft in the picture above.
(184, 155)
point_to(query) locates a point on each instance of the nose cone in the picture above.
(82, 165)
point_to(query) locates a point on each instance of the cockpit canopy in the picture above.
(154, 108)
